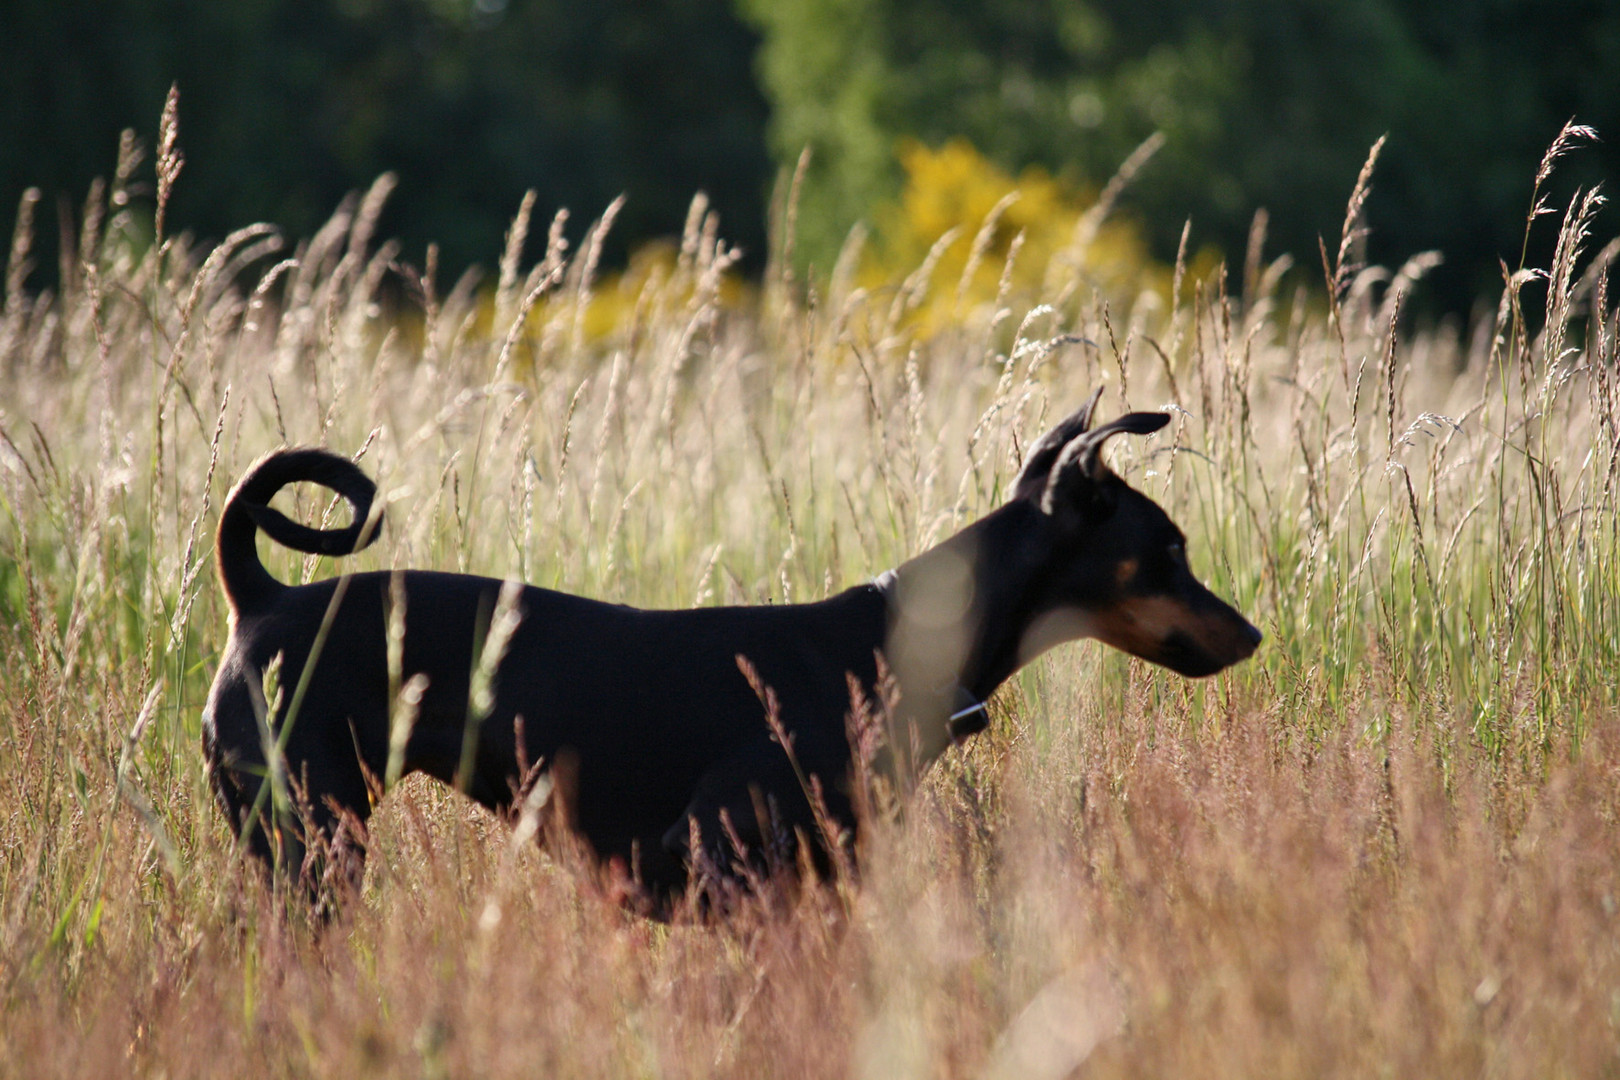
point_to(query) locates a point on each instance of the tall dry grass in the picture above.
(1383, 846)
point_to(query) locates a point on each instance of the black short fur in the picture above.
(659, 726)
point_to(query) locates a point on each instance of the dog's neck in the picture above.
(959, 618)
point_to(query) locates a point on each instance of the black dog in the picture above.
(664, 738)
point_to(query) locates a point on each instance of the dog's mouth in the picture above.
(1182, 655)
(1185, 656)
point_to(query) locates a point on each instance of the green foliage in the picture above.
(289, 104)
(1267, 103)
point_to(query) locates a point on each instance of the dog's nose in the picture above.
(1253, 633)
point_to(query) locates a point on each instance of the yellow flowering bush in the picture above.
(994, 237)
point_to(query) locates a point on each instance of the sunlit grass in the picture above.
(1383, 844)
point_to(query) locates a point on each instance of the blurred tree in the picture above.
(1268, 103)
(288, 104)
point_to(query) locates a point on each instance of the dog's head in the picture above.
(1113, 564)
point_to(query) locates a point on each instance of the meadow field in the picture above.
(1386, 845)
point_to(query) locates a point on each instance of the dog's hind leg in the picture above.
(311, 830)
(332, 800)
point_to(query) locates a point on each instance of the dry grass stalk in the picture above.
(1383, 845)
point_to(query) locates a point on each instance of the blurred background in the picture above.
(286, 105)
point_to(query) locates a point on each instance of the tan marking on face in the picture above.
(1141, 625)
(1125, 571)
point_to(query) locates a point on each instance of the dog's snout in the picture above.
(1252, 632)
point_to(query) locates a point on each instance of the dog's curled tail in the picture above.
(248, 585)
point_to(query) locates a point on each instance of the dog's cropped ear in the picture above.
(1031, 483)
(1078, 481)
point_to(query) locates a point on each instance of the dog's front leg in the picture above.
(750, 810)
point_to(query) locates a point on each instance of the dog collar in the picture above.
(972, 717)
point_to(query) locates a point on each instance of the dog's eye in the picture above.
(1178, 554)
